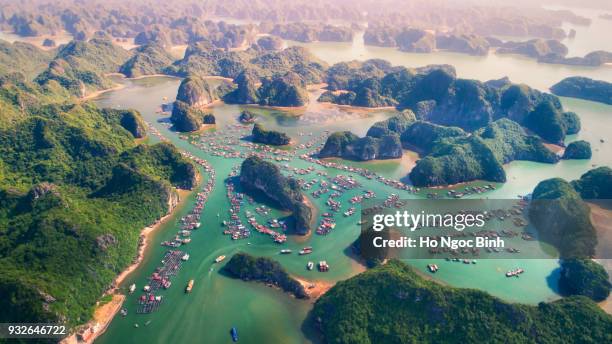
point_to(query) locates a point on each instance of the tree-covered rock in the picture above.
(264, 270)
(209, 118)
(562, 219)
(306, 32)
(186, 118)
(349, 146)
(392, 303)
(147, 60)
(463, 43)
(394, 125)
(24, 58)
(259, 177)
(595, 184)
(197, 92)
(246, 117)
(584, 88)
(81, 67)
(61, 163)
(584, 277)
(509, 142)
(436, 95)
(288, 90)
(203, 59)
(422, 136)
(270, 137)
(457, 161)
(270, 43)
(535, 48)
(247, 91)
(578, 150)
(131, 120)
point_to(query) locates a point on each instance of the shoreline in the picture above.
(601, 217)
(314, 289)
(104, 314)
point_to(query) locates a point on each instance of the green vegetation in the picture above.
(394, 125)
(578, 150)
(247, 91)
(186, 118)
(584, 277)
(349, 146)
(546, 121)
(23, 58)
(130, 120)
(456, 161)
(246, 116)
(393, 304)
(562, 219)
(259, 177)
(309, 32)
(584, 88)
(204, 59)
(452, 157)
(270, 137)
(288, 90)
(148, 59)
(199, 92)
(436, 95)
(264, 270)
(60, 164)
(595, 184)
(81, 67)
(422, 136)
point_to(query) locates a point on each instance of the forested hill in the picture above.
(75, 191)
(392, 304)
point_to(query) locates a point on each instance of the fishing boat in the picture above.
(234, 333)
(514, 273)
(189, 286)
(219, 259)
(132, 288)
(306, 250)
(285, 251)
(310, 265)
(323, 266)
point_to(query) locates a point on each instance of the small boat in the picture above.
(219, 259)
(310, 265)
(124, 312)
(306, 250)
(285, 251)
(148, 322)
(146, 288)
(234, 334)
(189, 286)
(185, 257)
(132, 288)
(136, 325)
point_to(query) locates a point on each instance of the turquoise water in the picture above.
(263, 314)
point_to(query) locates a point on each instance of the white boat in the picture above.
(219, 259)
(132, 288)
(185, 257)
(310, 265)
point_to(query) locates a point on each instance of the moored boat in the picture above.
(234, 333)
(219, 259)
(189, 286)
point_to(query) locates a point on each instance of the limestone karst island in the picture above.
(220, 171)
